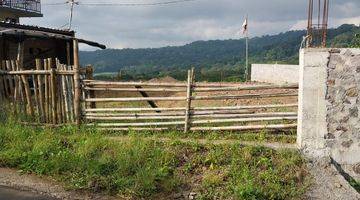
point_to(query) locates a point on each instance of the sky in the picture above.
(182, 23)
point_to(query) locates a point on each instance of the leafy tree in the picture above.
(215, 60)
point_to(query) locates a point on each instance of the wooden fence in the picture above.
(105, 110)
(46, 93)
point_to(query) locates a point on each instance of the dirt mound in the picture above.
(166, 79)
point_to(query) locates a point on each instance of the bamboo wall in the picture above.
(45, 94)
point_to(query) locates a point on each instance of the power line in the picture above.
(123, 4)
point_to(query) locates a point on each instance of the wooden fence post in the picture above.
(77, 89)
(190, 82)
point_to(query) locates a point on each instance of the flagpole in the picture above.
(247, 57)
(246, 29)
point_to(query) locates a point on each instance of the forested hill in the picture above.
(213, 59)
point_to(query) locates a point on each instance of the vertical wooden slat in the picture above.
(40, 91)
(47, 94)
(53, 86)
(3, 67)
(188, 100)
(16, 85)
(70, 92)
(21, 90)
(10, 79)
(65, 95)
(58, 94)
(2, 84)
(20, 59)
(77, 89)
(36, 95)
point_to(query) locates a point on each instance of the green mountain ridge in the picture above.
(214, 60)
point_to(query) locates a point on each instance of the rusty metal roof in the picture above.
(23, 31)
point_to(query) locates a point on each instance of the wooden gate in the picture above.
(189, 106)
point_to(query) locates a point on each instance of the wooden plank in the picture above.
(10, 80)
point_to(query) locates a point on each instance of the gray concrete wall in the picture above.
(329, 105)
(275, 73)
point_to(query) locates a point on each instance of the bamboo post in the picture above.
(16, 85)
(11, 82)
(188, 99)
(41, 91)
(46, 94)
(77, 89)
(65, 95)
(90, 76)
(6, 93)
(53, 95)
(59, 96)
(36, 93)
(20, 59)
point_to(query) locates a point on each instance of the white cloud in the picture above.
(134, 27)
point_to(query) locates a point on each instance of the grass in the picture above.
(142, 166)
(261, 136)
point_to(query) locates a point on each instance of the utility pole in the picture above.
(72, 3)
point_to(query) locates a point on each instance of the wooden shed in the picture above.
(39, 42)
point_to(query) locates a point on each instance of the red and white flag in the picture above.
(245, 26)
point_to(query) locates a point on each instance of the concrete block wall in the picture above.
(329, 105)
(275, 73)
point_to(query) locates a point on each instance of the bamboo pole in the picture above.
(53, 86)
(188, 100)
(240, 88)
(41, 91)
(65, 95)
(136, 99)
(259, 119)
(20, 60)
(195, 108)
(10, 78)
(216, 116)
(36, 94)
(90, 76)
(135, 89)
(138, 124)
(227, 128)
(246, 128)
(245, 96)
(70, 93)
(221, 97)
(206, 85)
(46, 94)
(77, 89)
(182, 113)
(3, 67)
(59, 96)
(16, 86)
